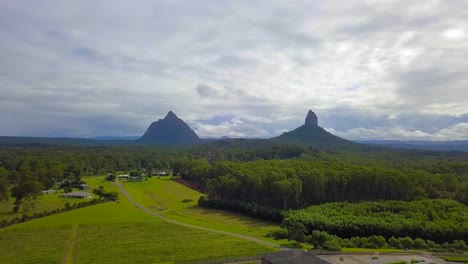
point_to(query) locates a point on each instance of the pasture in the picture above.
(113, 232)
(178, 202)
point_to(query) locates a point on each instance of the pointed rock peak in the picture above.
(311, 119)
(170, 115)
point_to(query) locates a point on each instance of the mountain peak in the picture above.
(311, 119)
(170, 130)
(170, 115)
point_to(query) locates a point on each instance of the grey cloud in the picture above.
(206, 91)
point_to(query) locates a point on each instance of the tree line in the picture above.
(300, 183)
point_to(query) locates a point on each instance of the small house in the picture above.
(49, 191)
(77, 195)
(135, 178)
(83, 187)
(123, 176)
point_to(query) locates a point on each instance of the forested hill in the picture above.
(311, 134)
(321, 139)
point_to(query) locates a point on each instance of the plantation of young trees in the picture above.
(437, 220)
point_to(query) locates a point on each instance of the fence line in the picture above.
(287, 255)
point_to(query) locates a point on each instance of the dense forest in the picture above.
(298, 183)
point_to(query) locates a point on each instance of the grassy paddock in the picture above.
(113, 232)
(33, 245)
(166, 197)
(455, 258)
(156, 242)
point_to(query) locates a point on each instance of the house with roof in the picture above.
(77, 195)
(83, 187)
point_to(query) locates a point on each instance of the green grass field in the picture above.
(455, 258)
(155, 242)
(379, 250)
(113, 232)
(33, 245)
(165, 197)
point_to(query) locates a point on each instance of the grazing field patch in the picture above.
(156, 242)
(114, 232)
(169, 198)
(456, 258)
(33, 245)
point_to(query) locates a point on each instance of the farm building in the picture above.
(83, 187)
(135, 178)
(49, 191)
(77, 195)
(123, 176)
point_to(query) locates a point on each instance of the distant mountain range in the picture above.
(171, 130)
(457, 145)
(115, 138)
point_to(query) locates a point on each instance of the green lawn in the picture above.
(165, 197)
(455, 258)
(33, 245)
(155, 242)
(113, 232)
(380, 250)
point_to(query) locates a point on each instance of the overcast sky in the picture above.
(369, 69)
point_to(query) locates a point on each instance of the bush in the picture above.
(278, 234)
(332, 245)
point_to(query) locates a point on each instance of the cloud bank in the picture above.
(369, 69)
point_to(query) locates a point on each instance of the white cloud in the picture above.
(454, 132)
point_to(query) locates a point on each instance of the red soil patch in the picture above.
(192, 185)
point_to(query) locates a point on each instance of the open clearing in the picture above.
(113, 233)
(165, 197)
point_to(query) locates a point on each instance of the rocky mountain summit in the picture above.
(170, 130)
(313, 135)
(311, 119)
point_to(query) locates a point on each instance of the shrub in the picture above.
(278, 234)
(332, 245)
